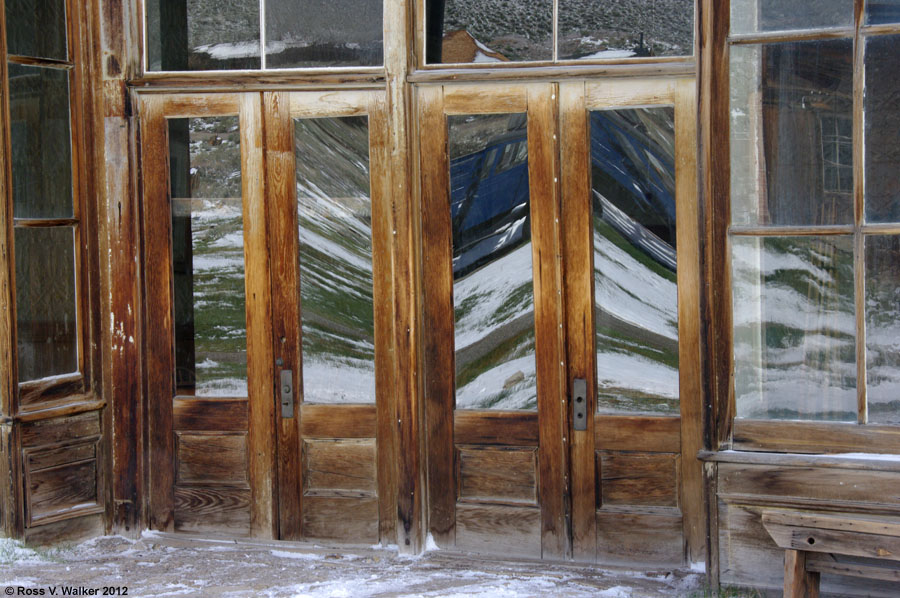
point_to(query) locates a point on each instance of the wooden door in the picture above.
(207, 313)
(631, 264)
(327, 181)
(494, 358)
(561, 363)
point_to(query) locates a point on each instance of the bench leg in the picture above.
(798, 582)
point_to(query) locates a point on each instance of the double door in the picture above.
(561, 351)
(268, 314)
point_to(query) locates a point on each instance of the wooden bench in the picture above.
(810, 541)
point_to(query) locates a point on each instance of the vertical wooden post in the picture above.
(115, 60)
(798, 582)
(399, 59)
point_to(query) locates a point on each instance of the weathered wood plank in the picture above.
(340, 518)
(61, 430)
(825, 564)
(212, 458)
(61, 488)
(337, 421)
(345, 467)
(503, 428)
(283, 257)
(43, 459)
(798, 583)
(637, 433)
(865, 524)
(210, 415)
(498, 475)
(638, 479)
(72, 530)
(815, 437)
(813, 539)
(437, 247)
(472, 99)
(496, 529)
(634, 91)
(317, 104)
(212, 509)
(543, 169)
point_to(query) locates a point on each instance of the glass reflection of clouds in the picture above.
(493, 293)
(635, 287)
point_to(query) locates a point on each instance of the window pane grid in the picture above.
(852, 146)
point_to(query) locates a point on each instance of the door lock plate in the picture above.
(286, 389)
(579, 404)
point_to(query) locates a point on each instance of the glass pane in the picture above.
(882, 135)
(489, 30)
(336, 303)
(41, 142)
(794, 328)
(635, 286)
(882, 11)
(208, 257)
(47, 329)
(751, 16)
(36, 28)
(320, 33)
(201, 35)
(493, 294)
(599, 30)
(883, 329)
(791, 133)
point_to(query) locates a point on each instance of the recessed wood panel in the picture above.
(60, 430)
(57, 489)
(498, 529)
(42, 459)
(638, 478)
(66, 531)
(498, 475)
(212, 458)
(340, 518)
(344, 467)
(648, 536)
(212, 509)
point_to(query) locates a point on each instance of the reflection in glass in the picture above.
(489, 30)
(882, 123)
(751, 16)
(791, 133)
(794, 328)
(883, 329)
(320, 33)
(47, 327)
(36, 28)
(41, 142)
(335, 217)
(635, 286)
(602, 30)
(202, 35)
(493, 294)
(208, 257)
(882, 11)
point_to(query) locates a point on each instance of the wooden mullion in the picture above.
(790, 231)
(859, 255)
(886, 29)
(494, 72)
(50, 63)
(283, 248)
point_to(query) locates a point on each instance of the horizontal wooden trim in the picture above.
(211, 415)
(851, 523)
(790, 231)
(506, 428)
(258, 80)
(89, 508)
(824, 505)
(51, 391)
(72, 405)
(337, 421)
(639, 510)
(887, 29)
(791, 35)
(802, 460)
(43, 62)
(44, 222)
(880, 229)
(657, 68)
(814, 437)
(652, 434)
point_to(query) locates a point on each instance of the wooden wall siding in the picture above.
(748, 555)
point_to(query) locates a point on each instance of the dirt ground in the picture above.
(160, 565)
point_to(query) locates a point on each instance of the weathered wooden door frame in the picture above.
(158, 286)
(318, 421)
(445, 426)
(637, 433)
